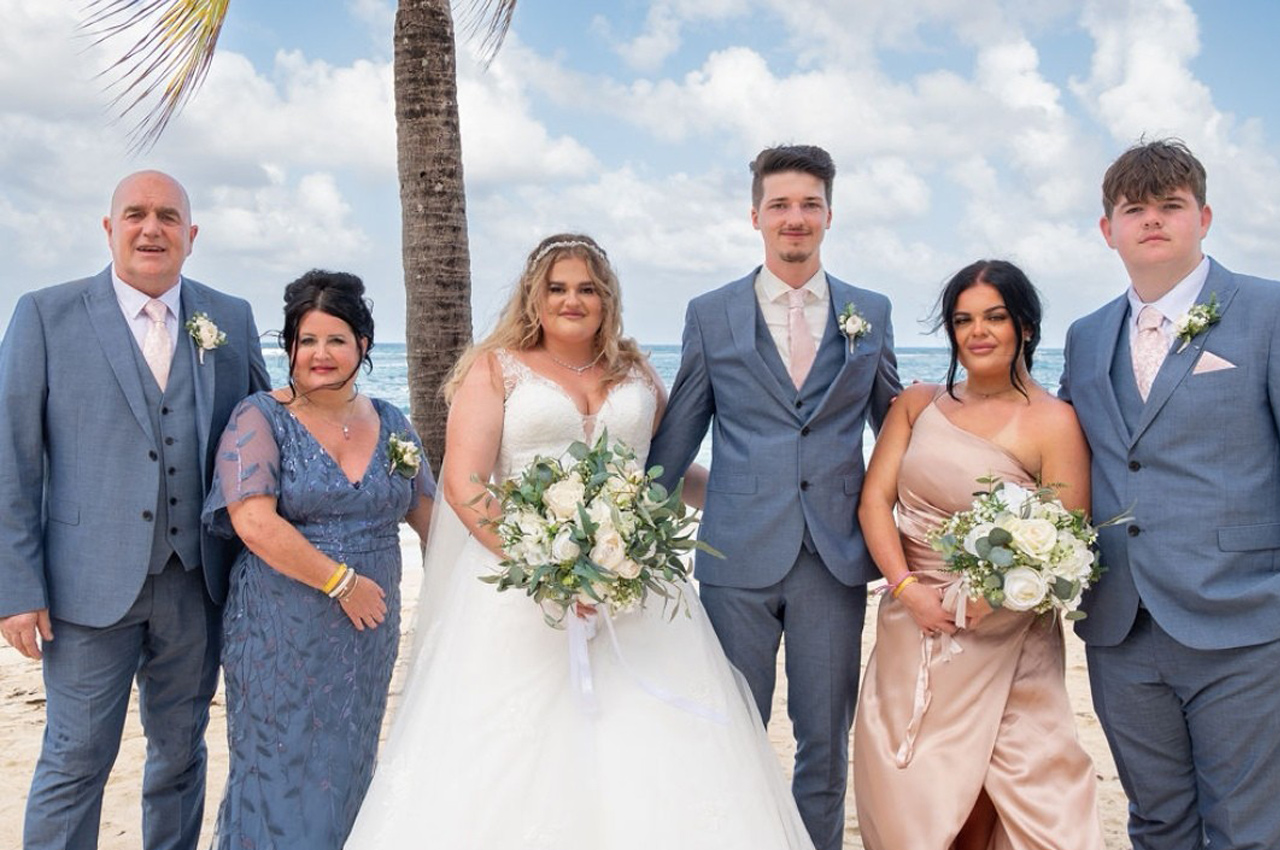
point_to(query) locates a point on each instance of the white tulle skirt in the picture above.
(493, 748)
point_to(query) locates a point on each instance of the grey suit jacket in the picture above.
(781, 459)
(77, 469)
(1201, 469)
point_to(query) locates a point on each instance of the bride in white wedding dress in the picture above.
(492, 747)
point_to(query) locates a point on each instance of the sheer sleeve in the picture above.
(247, 464)
(424, 483)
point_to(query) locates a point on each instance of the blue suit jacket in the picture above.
(774, 466)
(1201, 470)
(76, 473)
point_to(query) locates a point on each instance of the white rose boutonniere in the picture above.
(853, 324)
(1197, 320)
(205, 333)
(405, 455)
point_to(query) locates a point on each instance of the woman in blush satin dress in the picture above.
(492, 747)
(308, 477)
(964, 737)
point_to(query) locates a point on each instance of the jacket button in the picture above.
(1134, 465)
(804, 432)
(799, 404)
(147, 515)
(1134, 531)
(173, 500)
(164, 411)
(151, 454)
(804, 485)
(168, 441)
(173, 530)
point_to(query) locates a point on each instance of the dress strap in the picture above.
(513, 371)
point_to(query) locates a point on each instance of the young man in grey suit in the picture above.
(111, 407)
(787, 387)
(1177, 386)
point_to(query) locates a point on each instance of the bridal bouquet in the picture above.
(594, 528)
(1021, 549)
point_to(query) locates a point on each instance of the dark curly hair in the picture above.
(338, 294)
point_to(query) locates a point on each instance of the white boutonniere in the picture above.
(405, 455)
(853, 324)
(205, 333)
(1197, 320)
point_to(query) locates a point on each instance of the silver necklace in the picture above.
(345, 424)
(578, 370)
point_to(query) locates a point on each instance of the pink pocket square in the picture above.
(1210, 362)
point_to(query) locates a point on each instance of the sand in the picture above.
(22, 723)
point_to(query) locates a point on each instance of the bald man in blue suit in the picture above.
(110, 412)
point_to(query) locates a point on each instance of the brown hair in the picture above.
(808, 159)
(519, 327)
(1150, 170)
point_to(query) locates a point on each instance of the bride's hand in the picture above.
(925, 606)
(366, 607)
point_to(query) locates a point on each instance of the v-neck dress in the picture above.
(305, 691)
(939, 722)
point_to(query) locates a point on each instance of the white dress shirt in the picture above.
(771, 294)
(1171, 305)
(132, 304)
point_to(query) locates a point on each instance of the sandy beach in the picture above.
(22, 722)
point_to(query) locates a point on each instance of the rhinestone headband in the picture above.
(573, 243)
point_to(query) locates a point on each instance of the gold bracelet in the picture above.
(907, 580)
(334, 579)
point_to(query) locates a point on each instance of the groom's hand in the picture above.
(20, 631)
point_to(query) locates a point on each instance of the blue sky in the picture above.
(959, 130)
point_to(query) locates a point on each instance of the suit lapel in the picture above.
(1177, 365)
(1104, 353)
(116, 340)
(840, 294)
(204, 375)
(743, 315)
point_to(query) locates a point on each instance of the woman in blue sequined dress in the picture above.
(315, 479)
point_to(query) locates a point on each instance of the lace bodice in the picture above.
(541, 419)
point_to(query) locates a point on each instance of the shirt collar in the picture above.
(775, 290)
(1176, 301)
(132, 301)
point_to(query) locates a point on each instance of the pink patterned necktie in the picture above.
(157, 345)
(1149, 349)
(799, 338)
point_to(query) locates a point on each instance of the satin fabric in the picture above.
(994, 716)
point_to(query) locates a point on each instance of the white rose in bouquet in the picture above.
(1014, 497)
(628, 569)
(564, 548)
(1024, 589)
(1076, 563)
(610, 550)
(600, 511)
(1036, 537)
(563, 497)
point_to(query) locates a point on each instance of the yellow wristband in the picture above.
(334, 579)
(907, 580)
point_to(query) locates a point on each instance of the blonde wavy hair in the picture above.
(520, 326)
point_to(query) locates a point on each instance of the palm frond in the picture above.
(490, 20)
(167, 63)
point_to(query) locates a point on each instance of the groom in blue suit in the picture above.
(1177, 386)
(786, 365)
(111, 406)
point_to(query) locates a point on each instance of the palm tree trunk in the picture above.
(437, 274)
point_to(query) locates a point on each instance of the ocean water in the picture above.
(390, 376)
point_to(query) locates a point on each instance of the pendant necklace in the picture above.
(575, 369)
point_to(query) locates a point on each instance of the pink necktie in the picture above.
(157, 345)
(799, 337)
(1149, 349)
